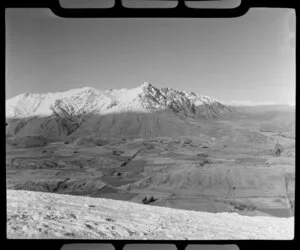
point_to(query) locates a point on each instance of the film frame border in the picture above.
(180, 11)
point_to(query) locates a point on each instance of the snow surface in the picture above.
(47, 215)
(89, 100)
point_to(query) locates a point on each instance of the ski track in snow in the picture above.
(47, 215)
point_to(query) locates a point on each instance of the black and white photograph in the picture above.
(150, 128)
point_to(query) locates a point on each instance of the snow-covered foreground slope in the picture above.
(47, 215)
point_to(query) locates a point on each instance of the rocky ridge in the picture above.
(143, 111)
(89, 100)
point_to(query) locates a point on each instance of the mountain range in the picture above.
(144, 111)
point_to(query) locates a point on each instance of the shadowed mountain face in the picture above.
(51, 127)
(115, 125)
(145, 111)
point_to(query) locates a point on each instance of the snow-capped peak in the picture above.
(145, 97)
(146, 85)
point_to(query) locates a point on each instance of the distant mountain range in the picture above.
(86, 100)
(142, 111)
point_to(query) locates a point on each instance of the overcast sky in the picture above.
(249, 59)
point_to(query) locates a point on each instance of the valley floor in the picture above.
(47, 215)
(229, 181)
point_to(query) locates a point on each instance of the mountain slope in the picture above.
(46, 215)
(144, 111)
(74, 101)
